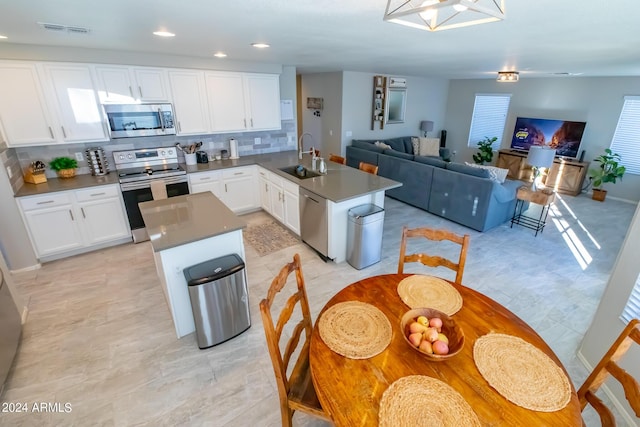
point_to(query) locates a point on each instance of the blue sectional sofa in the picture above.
(455, 191)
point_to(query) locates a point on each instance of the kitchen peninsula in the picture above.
(186, 230)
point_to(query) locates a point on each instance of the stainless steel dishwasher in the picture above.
(314, 226)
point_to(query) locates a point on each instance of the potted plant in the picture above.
(609, 171)
(65, 167)
(485, 150)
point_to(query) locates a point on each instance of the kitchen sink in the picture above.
(293, 171)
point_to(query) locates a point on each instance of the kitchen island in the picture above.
(187, 230)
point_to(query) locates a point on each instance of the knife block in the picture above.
(35, 176)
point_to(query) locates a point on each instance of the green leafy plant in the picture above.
(60, 163)
(609, 170)
(485, 150)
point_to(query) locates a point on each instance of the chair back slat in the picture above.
(368, 167)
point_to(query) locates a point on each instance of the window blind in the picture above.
(626, 139)
(632, 308)
(489, 118)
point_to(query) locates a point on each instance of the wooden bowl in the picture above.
(449, 327)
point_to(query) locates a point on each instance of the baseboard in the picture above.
(25, 314)
(24, 270)
(619, 199)
(631, 421)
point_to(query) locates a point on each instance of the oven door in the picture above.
(134, 120)
(138, 192)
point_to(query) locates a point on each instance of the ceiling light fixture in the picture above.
(3, 37)
(163, 34)
(508, 76)
(220, 55)
(437, 15)
(260, 45)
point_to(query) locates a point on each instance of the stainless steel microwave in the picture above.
(134, 120)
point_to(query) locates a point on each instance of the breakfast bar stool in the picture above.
(337, 159)
(296, 392)
(368, 167)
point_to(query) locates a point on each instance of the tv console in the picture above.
(565, 175)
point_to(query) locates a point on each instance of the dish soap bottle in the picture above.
(323, 166)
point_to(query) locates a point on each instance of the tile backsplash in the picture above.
(18, 159)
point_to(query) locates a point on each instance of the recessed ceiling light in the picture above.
(163, 34)
(260, 45)
(3, 37)
(220, 55)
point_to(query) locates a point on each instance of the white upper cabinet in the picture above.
(123, 85)
(73, 98)
(243, 102)
(262, 99)
(24, 115)
(189, 96)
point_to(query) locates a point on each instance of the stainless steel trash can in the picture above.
(219, 299)
(364, 235)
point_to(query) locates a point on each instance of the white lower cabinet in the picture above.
(235, 187)
(66, 221)
(291, 206)
(277, 197)
(263, 189)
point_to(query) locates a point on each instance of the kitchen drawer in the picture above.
(238, 172)
(289, 186)
(204, 177)
(96, 193)
(47, 201)
(263, 173)
(276, 179)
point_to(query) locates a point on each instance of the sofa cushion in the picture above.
(495, 174)
(366, 146)
(399, 154)
(429, 147)
(468, 170)
(433, 161)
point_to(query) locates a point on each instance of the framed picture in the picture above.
(314, 103)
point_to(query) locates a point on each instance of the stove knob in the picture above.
(170, 152)
(121, 156)
(129, 156)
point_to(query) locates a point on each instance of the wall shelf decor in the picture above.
(379, 95)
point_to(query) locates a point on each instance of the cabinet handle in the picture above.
(251, 120)
(131, 92)
(45, 202)
(51, 133)
(97, 194)
(206, 178)
(245, 122)
(266, 187)
(225, 188)
(83, 215)
(63, 132)
(238, 173)
(71, 213)
(179, 127)
(140, 89)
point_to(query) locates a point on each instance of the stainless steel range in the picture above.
(138, 170)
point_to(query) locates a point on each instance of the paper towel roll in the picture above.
(158, 189)
(233, 148)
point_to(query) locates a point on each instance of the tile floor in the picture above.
(99, 335)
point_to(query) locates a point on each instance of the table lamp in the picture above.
(539, 157)
(426, 126)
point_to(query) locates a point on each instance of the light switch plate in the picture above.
(257, 140)
(348, 133)
(79, 156)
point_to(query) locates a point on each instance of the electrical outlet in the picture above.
(79, 156)
(257, 140)
(330, 132)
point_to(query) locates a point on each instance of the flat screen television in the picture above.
(563, 135)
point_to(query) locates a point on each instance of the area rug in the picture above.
(269, 237)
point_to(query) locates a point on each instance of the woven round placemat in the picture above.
(419, 291)
(355, 329)
(418, 400)
(521, 372)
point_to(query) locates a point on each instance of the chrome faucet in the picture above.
(301, 147)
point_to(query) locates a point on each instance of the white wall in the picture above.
(596, 100)
(606, 324)
(325, 128)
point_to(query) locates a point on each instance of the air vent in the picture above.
(67, 28)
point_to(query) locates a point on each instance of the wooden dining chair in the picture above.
(296, 391)
(434, 260)
(368, 167)
(608, 365)
(337, 159)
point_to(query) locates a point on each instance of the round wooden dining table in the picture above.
(350, 390)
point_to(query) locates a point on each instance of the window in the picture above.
(489, 117)
(632, 309)
(626, 139)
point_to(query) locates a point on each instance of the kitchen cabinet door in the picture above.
(151, 84)
(277, 198)
(189, 96)
(263, 189)
(225, 95)
(74, 97)
(262, 94)
(239, 185)
(291, 207)
(102, 213)
(24, 114)
(52, 224)
(114, 85)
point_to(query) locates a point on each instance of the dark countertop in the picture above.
(186, 219)
(339, 184)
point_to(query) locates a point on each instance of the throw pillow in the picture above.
(429, 147)
(415, 141)
(495, 174)
(381, 145)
